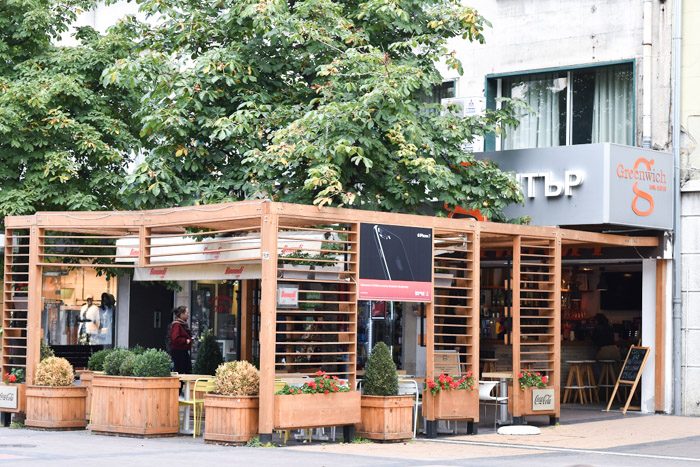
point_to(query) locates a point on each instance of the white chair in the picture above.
(485, 397)
(410, 387)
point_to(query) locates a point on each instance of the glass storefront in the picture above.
(215, 308)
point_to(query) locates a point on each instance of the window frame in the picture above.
(493, 90)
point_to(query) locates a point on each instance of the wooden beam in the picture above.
(660, 338)
(594, 238)
(268, 318)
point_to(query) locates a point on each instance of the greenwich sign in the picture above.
(591, 184)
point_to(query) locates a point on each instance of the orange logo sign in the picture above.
(651, 179)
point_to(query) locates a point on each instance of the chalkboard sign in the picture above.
(634, 364)
(631, 372)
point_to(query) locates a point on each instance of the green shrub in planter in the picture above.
(138, 349)
(97, 360)
(152, 363)
(381, 378)
(127, 366)
(113, 361)
(208, 356)
(46, 350)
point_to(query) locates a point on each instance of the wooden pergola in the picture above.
(257, 232)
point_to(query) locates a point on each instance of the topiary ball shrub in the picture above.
(113, 361)
(96, 362)
(238, 378)
(54, 371)
(381, 378)
(153, 363)
(138, 349)
(208, 355)
(127, 366)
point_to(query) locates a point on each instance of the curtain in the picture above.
(540, 126)
(612, 106)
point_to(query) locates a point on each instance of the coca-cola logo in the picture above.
(544, 399)
(234, 271)
(158, 272)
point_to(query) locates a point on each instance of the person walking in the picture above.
(180, 340)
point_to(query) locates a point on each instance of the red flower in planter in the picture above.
(12, 378)
(545, 380)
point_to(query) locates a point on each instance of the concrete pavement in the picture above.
(632, 440)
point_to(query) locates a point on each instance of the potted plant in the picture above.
(232, 408)
(137, 395)
(453, 397)
(385, 414)
(95, 365)
(208, 355)
(535, 397)
(53, 401)
(324, 401)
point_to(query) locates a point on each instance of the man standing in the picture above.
(89, 322)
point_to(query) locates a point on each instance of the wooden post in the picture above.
(556, 365)
(515, 314)
(245, 316)
(268, 317)
(660, 340)
(33, 304)
(428, 410)
(475, 310)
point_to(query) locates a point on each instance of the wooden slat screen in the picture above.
(16, 283)
(455, 317)
(538, 304)
(69, 249)
(321, 332)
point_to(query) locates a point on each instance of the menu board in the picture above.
(634, 364)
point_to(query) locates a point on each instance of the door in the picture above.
(150, 314)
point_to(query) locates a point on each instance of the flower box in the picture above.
(386, 418)
(230, 419)
(458, 404)
(135, 406)
(12, 397)
(316, 410)
(61, 407)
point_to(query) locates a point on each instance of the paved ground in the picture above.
(585, 438)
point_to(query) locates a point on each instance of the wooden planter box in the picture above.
(135, 406)
(524, 405)
(56, 407)
(317, 410)
(13, 400)
(386, 418)
(230, 419)
(86, 381)
(456, 404)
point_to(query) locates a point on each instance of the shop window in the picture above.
(215, 308)
(588, 105)
(445, 90)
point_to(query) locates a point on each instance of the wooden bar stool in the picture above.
(589, 381)
(606, 380)
(488, 365)
(575, 387)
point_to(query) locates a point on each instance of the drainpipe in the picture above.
(646, 75)
(676, 141)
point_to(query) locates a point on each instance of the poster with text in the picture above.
(396, 263)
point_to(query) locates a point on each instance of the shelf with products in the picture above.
(496, 305)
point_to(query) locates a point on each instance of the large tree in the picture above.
(65, 140)
(310, 101)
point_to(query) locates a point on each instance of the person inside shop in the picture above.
(604, 338)
(180, 341)
(107, 305)
(89, 328)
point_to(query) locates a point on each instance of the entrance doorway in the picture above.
(151, 305)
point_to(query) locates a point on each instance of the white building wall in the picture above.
(530, 35)
(690, 285)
